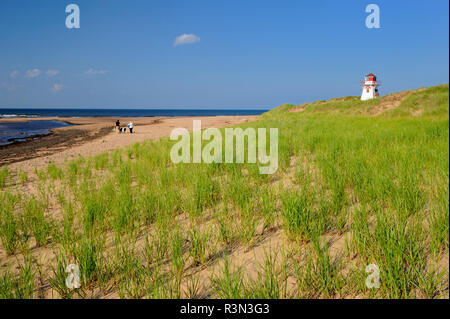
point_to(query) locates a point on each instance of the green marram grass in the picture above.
(140, 226)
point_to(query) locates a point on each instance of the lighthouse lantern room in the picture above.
(370, 87)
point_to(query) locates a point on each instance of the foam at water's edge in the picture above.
(4, 116)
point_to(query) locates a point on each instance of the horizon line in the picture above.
(137, 108)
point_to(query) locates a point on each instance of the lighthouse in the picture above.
(370, 87)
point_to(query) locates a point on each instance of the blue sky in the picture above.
(250, 54)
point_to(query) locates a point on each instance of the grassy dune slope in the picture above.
(358, 183)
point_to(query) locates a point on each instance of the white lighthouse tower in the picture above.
(370, 87)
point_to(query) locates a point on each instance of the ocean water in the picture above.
(33, 113)
(22, 131)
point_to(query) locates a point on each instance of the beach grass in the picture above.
(358, 184)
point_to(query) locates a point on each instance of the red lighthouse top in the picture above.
(370, 77)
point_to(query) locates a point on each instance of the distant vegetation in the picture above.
(358, 183)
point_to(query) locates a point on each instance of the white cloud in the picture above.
(186, 39)
(52, 72)
(32, 73)
(94, 72)
(57, 87)
(14, 74)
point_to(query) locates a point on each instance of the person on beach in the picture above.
(130, 127)
(118, 126)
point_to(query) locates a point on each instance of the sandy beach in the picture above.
(94, 135)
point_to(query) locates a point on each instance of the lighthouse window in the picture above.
(367, 90)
